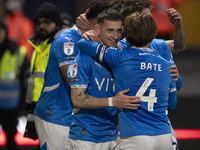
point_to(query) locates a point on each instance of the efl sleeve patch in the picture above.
(68, 48)
(73, 70)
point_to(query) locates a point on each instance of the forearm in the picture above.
(179, 83)
(82, 100)
(179, 39)
(63, 70)
(178, 44)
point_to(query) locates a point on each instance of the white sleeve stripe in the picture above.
(172, 90)
(65, 63)
(79, 86)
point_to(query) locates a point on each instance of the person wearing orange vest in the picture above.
(13, 68)
(20, 27)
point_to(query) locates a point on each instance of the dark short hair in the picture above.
(109, 15)
(95, 7)
(140, 29)
(132, 6)
(117, 5)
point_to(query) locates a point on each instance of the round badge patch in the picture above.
(68, 48)
(73, 70)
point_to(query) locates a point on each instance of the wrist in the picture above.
(110, 102)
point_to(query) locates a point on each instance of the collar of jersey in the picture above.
(145, 49)
(77, 29)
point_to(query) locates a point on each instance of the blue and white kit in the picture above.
(54, 104)
(162, 48)
(146, 74)
(93, 125)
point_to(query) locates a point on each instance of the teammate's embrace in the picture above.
(94, 125)
(147, 75)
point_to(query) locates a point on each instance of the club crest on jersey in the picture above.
(68, 48)
(73, 70)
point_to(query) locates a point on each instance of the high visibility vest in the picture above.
(9, 78)
(38, 66)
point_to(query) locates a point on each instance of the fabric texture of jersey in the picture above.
(94, 125)
(157, 44)
(162, 48)
(146, 74)
(54, 104)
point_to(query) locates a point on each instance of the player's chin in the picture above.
(112, 44)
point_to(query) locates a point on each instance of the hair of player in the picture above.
(140, 29)
(95, 7)
(132, 6)
(109, 15)
(117, 5)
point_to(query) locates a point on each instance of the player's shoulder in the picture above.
(157, 41)
(83, 57)
(123, 43)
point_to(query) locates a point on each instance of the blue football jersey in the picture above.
(162, 48)
(146, 74)
(94, 125)
(54, 104)
(157, 44)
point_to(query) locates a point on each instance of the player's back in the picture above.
(147, 75)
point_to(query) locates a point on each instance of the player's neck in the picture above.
(145, 46)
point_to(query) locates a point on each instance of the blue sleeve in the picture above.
(123, 44)
(162, 48)
(78, 71)
(179, 83)
(172, 97)
(87, 46)
(65, 50)
(109, 55)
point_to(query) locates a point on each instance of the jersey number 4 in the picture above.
(151, 99)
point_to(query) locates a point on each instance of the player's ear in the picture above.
(96, 28)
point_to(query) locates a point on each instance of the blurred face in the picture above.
(110, 32)
(45, 27)
(2, 35)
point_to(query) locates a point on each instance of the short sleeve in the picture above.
(79, 71)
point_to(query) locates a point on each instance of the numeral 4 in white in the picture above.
(151, 99)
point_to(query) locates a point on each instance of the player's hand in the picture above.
(123, 101)
(174, 17)
(93, 35)
(174, 72)
(82, 22)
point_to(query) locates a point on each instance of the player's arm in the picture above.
(172, 97)
(109, 55)
(82, 100)
(179, 43)
(65, 54)
(176, 77)
(63, 70)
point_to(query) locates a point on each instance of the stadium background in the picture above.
(185, 119)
